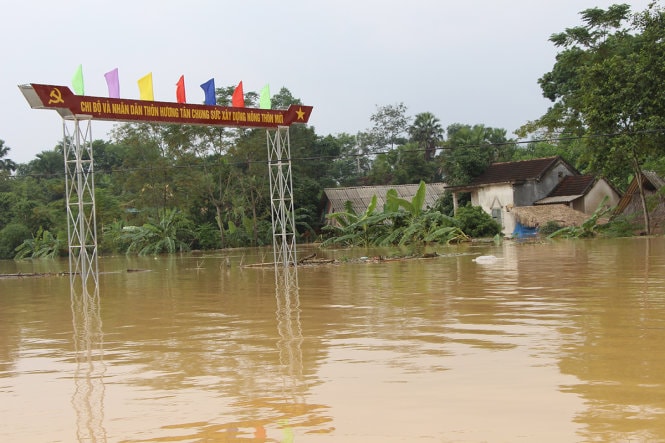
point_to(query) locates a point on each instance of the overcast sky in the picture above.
(466, 61)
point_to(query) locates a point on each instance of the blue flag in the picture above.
(209, 89)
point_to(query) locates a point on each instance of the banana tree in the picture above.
(356, 229)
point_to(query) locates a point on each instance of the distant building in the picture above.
(631, 205)
(583, 193)
(360, 197)
(542, 181)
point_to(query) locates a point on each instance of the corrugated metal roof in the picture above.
(650, 180)
(361, 196)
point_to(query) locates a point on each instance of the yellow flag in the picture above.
(145, 88)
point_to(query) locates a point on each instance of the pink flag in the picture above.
(180, 90)
(113, 83)
(238, 98)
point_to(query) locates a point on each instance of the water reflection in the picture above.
(290, 332)
(616, 346)
(553, 342)
(88, 338)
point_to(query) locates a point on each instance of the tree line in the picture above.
(164, 188)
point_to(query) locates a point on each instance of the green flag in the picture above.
(264, 99)
(77, 81)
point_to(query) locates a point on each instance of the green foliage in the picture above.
(427, 132)
(622, 226)
(549, 228)
(607, 80)
(390, 125)
(413, 207)
(171, 232)
(42, 245)
(304, 229)
(353, 229)
(113, 238)
(6, 164)
(475, 222)
(402, 222)
(206, 236)
(471, 149)
(11, 236)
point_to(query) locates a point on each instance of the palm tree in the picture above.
(6, 165)
(427, 131)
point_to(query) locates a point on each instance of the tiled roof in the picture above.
(511, 172)
(573, 185)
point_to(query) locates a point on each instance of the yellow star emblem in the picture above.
(301, 114)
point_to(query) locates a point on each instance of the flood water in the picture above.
(553, 342)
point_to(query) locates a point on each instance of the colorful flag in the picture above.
(238, 99)
(209, 90)
(180, 90)
(77, 81)
(113, 83)
(264, 99)
(145, 88)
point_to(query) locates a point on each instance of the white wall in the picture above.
(494, 196)
(597, 194)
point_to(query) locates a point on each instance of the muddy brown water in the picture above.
(552, 342)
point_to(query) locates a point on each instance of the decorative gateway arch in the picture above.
(78, 112)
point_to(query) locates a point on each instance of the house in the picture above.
(631, 204)
(360, 197)
(583, 193)
(506, 185)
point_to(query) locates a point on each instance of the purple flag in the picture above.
(113, 83)
(209, 89)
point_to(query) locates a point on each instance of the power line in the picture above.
(342, 156)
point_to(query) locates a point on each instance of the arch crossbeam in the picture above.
(79, 165)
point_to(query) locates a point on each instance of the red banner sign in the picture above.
(64, 100)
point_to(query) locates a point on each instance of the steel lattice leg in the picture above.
(281, 197)
(80, 194)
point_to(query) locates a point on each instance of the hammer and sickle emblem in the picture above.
(56, 96)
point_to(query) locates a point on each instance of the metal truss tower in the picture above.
(281, 197)
(80, 194)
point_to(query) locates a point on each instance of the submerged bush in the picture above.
(475, 222)
(549, 227)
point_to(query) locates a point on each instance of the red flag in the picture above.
(238, 99)
(180, 90)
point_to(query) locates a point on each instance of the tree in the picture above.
(47, 164)
(390, 127)
(348, 166)
(283, 99)
(606, 85)
(427, 132)
(6, 165)
(471, 149)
